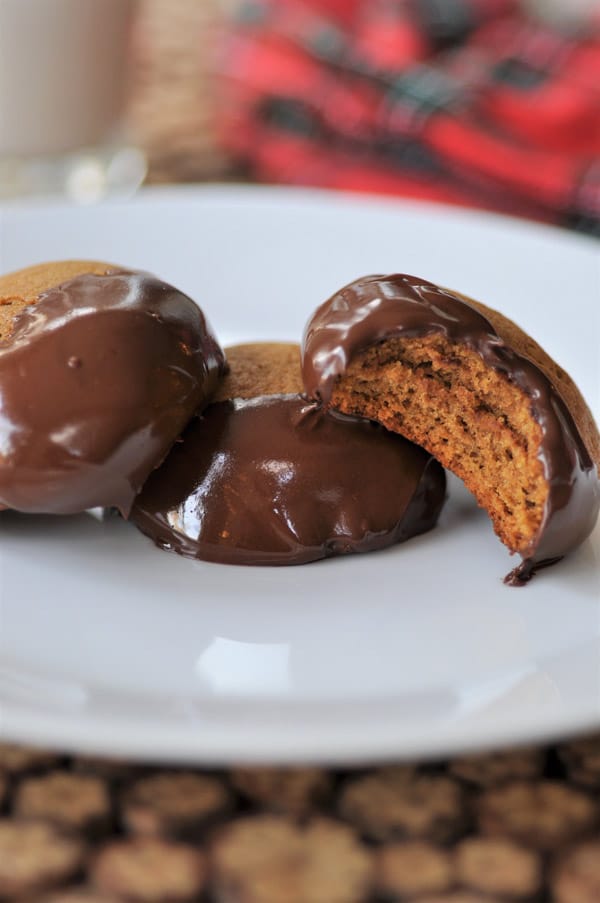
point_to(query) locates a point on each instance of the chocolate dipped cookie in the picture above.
(100, 370)
(272, 479)
(475, 391)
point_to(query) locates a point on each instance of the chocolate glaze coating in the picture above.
(376, 308)
(274, 480)
(97, 380)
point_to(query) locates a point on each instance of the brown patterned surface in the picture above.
(522, 825)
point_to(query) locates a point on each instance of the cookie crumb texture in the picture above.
(443, 397)
(510, 827)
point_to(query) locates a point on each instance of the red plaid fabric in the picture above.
(461, 101)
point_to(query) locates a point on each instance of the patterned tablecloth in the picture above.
(471, 102)
(522, 825)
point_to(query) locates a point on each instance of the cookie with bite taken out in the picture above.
(473, 389)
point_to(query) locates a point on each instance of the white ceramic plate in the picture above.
(110, 646)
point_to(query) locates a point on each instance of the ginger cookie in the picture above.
(473, 389)
(273, 479)
(100, 370)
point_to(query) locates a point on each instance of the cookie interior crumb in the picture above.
(473, 420)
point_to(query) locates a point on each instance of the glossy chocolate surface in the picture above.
(97, 380)
(376, 308)
(274, 480)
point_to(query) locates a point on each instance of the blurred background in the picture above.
(485, 103)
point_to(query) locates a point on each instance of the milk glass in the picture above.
(63, 88)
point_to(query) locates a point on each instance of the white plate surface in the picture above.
(108, 645)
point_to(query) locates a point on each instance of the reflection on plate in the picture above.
(110, 646)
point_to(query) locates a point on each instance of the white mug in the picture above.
(62, 73)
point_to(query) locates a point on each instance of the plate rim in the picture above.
(260, 742)
(194, 192)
